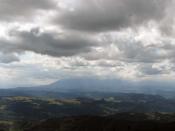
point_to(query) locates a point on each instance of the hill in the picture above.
(122, 122)
(37, 108)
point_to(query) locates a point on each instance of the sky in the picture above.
(42, 41)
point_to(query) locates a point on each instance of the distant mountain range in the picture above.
(75, 85)
(78, 87)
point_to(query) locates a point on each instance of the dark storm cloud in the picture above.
(104, 15)
(14, 9)
(48, 43)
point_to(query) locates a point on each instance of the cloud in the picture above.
(166, 26)
(148, 69)
(135, 51)
(13, 10)
(8, 58)
(102, 15)
(48, 43)
(131, 50)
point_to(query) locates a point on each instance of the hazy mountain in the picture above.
(85, 87)
(85, 84)
(88, 84)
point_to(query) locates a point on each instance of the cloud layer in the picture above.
(128, 39)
